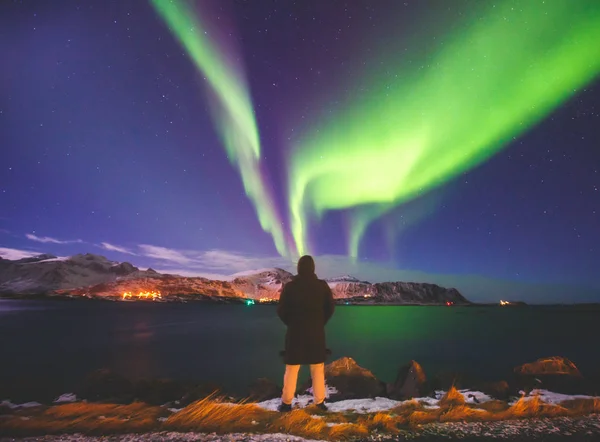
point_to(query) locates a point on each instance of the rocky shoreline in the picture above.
(547, 396)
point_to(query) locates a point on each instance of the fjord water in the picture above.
(47, 347)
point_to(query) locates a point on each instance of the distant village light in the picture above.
(143, 295)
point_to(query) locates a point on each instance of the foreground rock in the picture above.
(411, 382)
(555, 373)
(352, 381)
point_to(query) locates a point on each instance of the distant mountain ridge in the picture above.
(94, 276)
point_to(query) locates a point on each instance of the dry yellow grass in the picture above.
(464, 413)
(346, 431)
(85, 418)
(382, 422)
(424, 417)
(213, 415)
(495, 406)
(582, 406)
(299, 423)
(452, 398)
(407, 407)
(533, 407)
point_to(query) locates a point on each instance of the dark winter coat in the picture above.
(305, 306)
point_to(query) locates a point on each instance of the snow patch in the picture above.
(58, 258)
(377, 404)
(550, 397)
(475, 397)
(254, 272)
(363, 405)
(9, 404)
(328, 391)
(64, 398)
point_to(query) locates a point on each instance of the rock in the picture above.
(159, 391)
(552, 365)
(352, 381)
(556, 374)
(106, 386)
(264, 389)
(411, 382)
(124, 268)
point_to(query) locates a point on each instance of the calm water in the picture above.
(50, 346)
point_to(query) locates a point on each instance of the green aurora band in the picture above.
(486, 84)
(232, 109)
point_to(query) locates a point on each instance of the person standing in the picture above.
(305, 305)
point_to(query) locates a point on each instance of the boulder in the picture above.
(106, 386)
(264, 389)
(556, 374)
(554, 365)
(411, 382)
(352, 381)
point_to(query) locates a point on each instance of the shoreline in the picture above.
(206, 299)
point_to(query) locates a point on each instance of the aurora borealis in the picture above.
(417, 130)
(233, 113)
(437, 138)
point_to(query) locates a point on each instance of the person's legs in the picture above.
(317, 374)
(290, 378)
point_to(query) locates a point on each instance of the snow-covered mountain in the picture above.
(261, 284)
(47, 273)
(94, 276)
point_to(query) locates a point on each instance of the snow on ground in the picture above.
(9, 404)
(299, 401)
(471, 396)
(373, 405)
(64, 398)
(552, 398)
(363, 405)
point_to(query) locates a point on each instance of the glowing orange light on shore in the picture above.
(143, 295)
(504, 302)
(264, 299)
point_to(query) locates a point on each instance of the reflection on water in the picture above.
(14, 305)
(137, 359)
